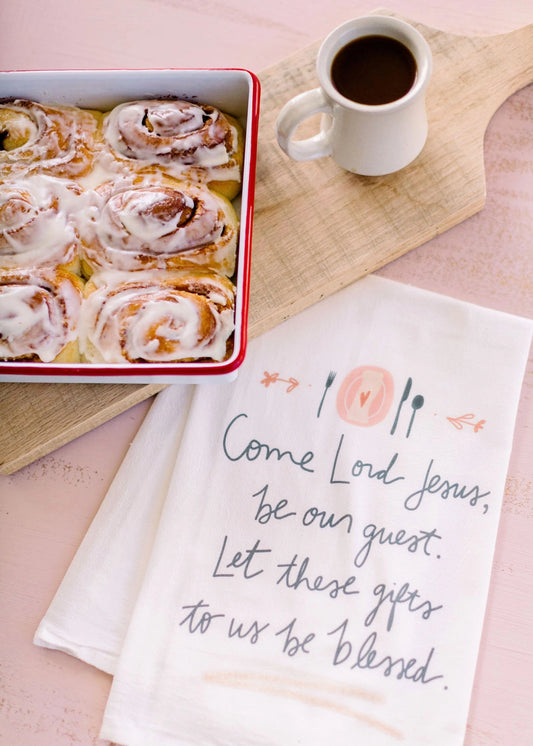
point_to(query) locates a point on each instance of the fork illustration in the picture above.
(329, 381)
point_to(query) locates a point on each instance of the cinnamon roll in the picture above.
(187, 140)
(36, 223)
(157, 317)
(55, 140)
(158, 223)
(39, 312)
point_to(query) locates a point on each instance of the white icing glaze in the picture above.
(60, 140)
(134, 215)
(148, 222)
(122, 322)
(137, 211)
(26, 326)
(23, 128)
(36, 221)
(162, 130)
(182, 137)
(132, 220)
(36, 316)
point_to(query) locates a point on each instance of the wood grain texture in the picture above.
(37, 418)
(318, 228)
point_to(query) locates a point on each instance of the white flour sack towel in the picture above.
(90, 612)
(320, 565)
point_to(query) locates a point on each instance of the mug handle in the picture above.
(296, 111)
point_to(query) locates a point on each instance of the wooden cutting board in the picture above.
(317, 228)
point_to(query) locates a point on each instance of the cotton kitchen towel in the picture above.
(90, 612)
(321, 565)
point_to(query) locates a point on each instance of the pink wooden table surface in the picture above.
(53, 700)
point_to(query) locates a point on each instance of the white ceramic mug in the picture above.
(366, 139)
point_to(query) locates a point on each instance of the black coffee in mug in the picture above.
(373, 70)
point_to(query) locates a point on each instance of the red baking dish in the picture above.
(233, 91)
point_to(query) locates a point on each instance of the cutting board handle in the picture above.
(478, 73)
(506, 64)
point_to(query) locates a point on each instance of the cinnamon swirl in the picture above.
(36, 223)
(55, 140)
(158, 223)
(39, 312)
(187, 140)
(156, 317)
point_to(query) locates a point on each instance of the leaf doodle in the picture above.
(466, 419)
(270, 378)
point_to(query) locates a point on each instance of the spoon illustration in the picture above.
(416, 404)
(405, 394)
